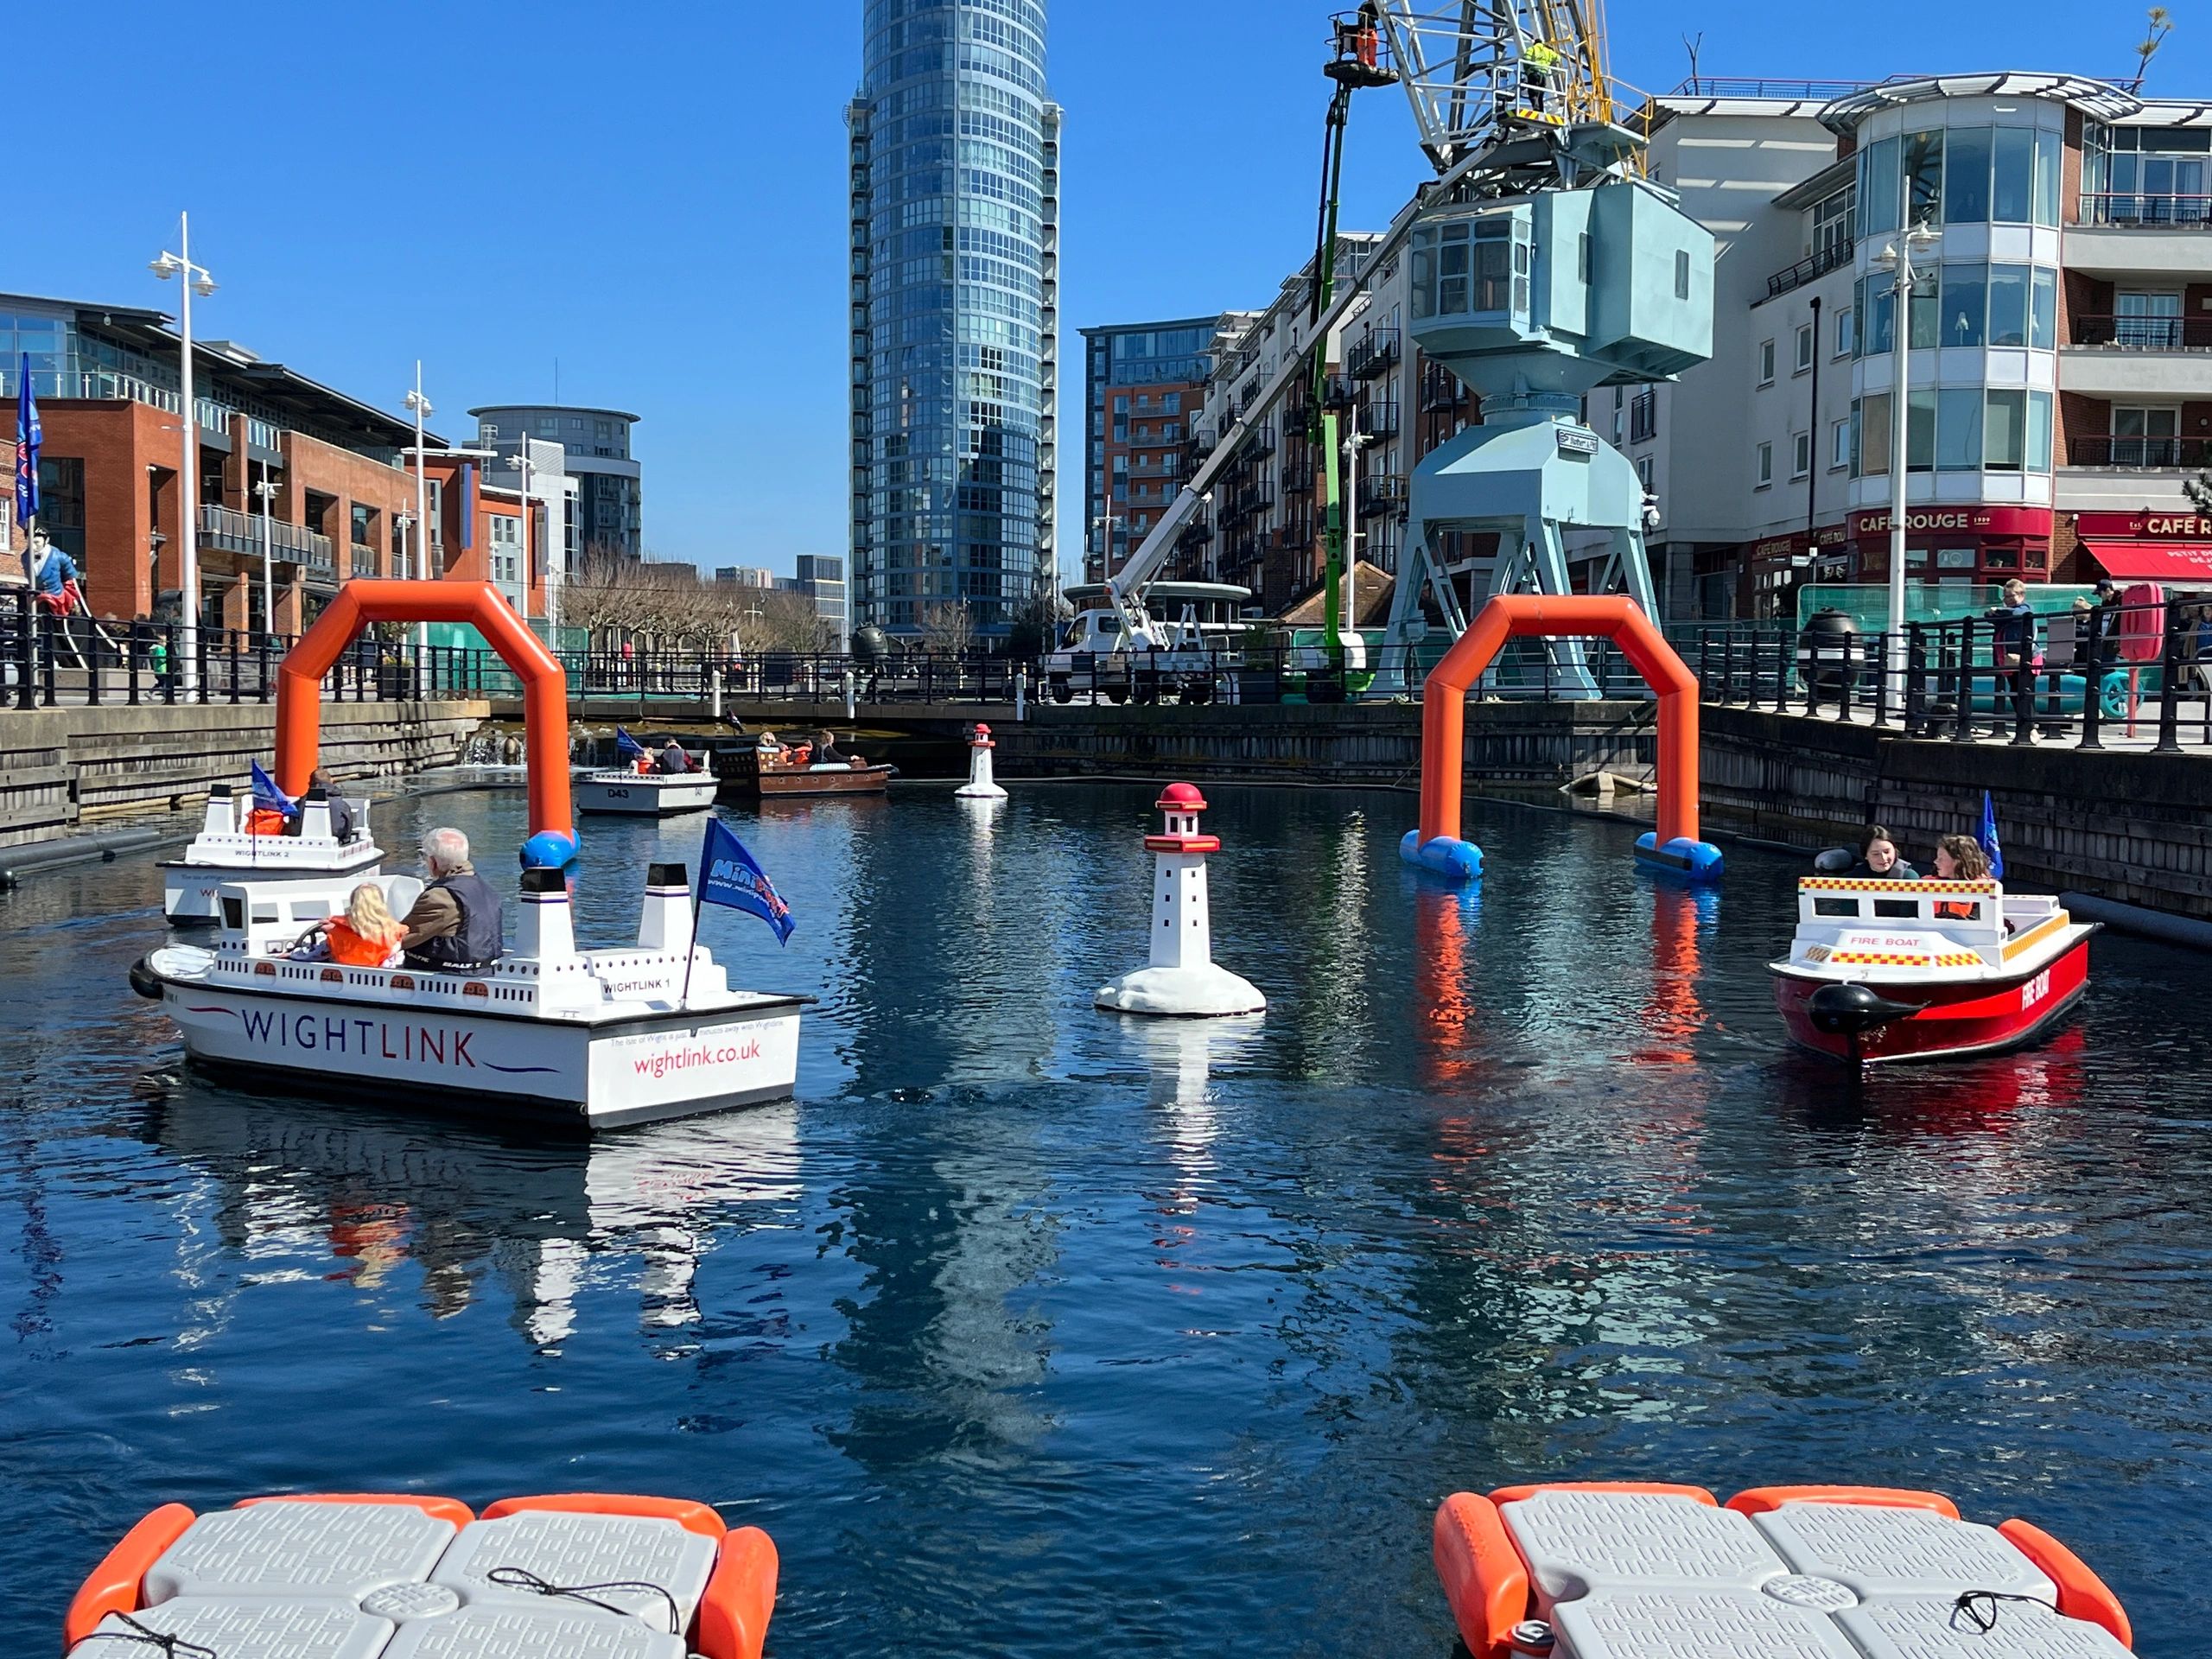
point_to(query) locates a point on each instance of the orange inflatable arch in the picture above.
(544, 686)
(1612, 616)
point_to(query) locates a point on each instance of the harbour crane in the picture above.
(1542, 265)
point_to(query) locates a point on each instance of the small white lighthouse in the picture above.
(1181, 977)
(979, 786)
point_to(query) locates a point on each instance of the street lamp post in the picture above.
(1898, 255)
(265, 490)
(195, 281)
(419, 406)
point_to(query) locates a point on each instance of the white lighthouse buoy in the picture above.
(1181, 977)
(979, 786)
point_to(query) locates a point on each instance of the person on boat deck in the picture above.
(1960, 858)
(1878, 860)
(673, 760)
(342, 814)
(457, 922)
(826, 752)
(368, 934)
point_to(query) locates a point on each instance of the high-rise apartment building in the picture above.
(955, 312)
(595, 446)
(1144, 383)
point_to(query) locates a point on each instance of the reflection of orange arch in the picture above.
(545, 687)
(1612, 616)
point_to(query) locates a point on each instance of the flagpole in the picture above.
(698, 891)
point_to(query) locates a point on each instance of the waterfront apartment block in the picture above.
(2060, 376)
(340, 504)
(955, 274)
(595, 451)
(2059, 388)
(819, 578)
(1144, 383)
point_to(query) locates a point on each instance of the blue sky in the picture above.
(653, 193)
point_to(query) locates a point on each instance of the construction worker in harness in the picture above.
(1539, 64)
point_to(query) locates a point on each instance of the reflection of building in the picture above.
(1144, 383)
(595, 446)
(373, 1192)
(955, 312)
(106, 377)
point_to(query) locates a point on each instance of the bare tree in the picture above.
(777, 620)
(2158, 24)
(948, 627)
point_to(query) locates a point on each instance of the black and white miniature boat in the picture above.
(224, 851)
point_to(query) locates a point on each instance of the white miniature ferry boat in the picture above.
(1919, 970)
(644, 794)
(595, 1040)
(223, 851)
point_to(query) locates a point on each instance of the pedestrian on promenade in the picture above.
(2012, 643)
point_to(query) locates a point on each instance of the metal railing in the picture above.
(2143, 454)
(2143, 334)
(1817, 264)
(1371, 353)
(2133, 210)
(233, 531)
(2082, 676)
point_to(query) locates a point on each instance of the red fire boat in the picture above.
(1926, 971)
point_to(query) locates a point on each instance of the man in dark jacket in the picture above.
(2013, 647)
(457, 922)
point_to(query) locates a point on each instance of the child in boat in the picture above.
(1878, 860)
(367, 936)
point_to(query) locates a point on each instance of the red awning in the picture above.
(2187, 562)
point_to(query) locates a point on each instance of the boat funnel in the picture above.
(548, 929)
(315, 814)
(666, 924)
(222, 812)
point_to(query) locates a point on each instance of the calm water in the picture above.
(1028, 1323)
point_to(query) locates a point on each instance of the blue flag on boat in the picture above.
(730, 875)
(1988, 838)
(265, 792)
(626, 745)
(28, 436)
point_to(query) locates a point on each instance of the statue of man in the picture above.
(53, 575)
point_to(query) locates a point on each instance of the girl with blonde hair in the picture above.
(368, 934)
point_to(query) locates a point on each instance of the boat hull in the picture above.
(775, 783)
(582, 1076)
(189, 889)
(645, 796)
(1958, 1018)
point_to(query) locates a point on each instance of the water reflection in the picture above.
(284, 1190)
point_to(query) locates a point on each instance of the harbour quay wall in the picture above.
(2125, 825)
(1507, 743)
(64, 771)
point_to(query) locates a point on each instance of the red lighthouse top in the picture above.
(1176, 800)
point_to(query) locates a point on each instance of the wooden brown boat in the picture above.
(778, 774)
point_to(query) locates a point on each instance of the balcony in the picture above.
(2140, 454)
(2140, 236)
(1199, 444)
(364, 560)
(2146, 211)
(1817, 264)
(1378, 418)
(231, 531)
(1260, 441)
(1384, 493)
(2144, 334)
(1298, 474)
(1372, 354)
(1440, 388)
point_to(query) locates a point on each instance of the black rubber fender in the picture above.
(144, 979)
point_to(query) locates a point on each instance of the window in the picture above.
(487, 432)
(1763, 466)
(1920, 431)
(2004, 435)
(2008, 305)
(1846, 330)
(1804, 347)
(1644, 415)
(1876, 310)
(1958, 430)
(1830, 222)
(1682, 274)
(1766, 363)
(1839, 445)
(1878, 188)
(549, 426)
(1800, 454)
(1965, 297)
(2038, 431)
(1923, 177)
(2143, 436)
(1643, 472)
(2043, 310)
(1874, 436)
(1966, 176)
(2014, 198)
(604, 430)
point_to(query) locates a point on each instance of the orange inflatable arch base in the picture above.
(1673, 846)
(545, 687)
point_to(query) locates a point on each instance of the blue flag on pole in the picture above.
(1988, 838)
(730, 875)
(28, 436)
(265, 792)
(626, 745)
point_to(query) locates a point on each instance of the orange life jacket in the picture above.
(350, 948)
(264, 820)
